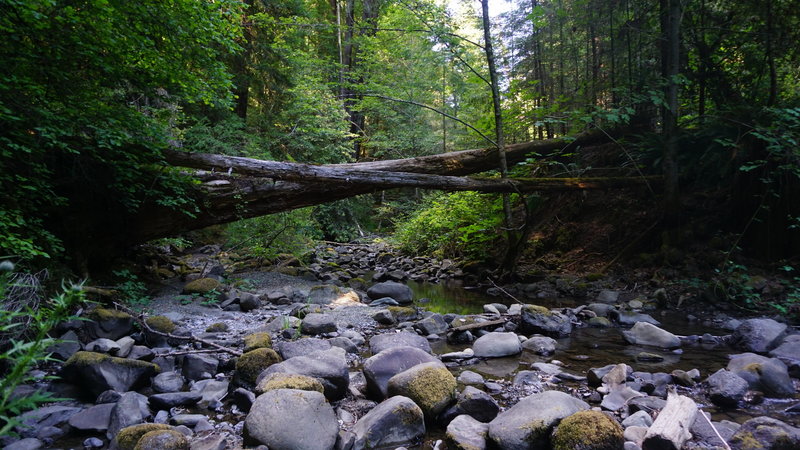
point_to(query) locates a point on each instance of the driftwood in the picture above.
(478, 325)
(671, 428)
(140, 319)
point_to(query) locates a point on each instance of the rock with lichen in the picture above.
(429, 385)
(393, 423)
(257, 340)
(588, 430)
(128, 437)
(163, 440)
(538, 319)
(528, 423)
(252, 363)
(328, 366)
(201, 286)
(108, 323)
(765, 433)
(217, 327)
(98, 372)
(288, 381)
(379, 368)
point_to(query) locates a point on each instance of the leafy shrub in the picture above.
(463, 224)
(131, 289)
(20, 352)
(268, 236)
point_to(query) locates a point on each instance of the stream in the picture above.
(588, 347)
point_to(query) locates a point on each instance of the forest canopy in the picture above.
(92, 92)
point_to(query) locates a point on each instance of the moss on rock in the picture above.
(252, 363)
(430, 385)
(403, 313)
(102, 314)
(128, 437)
(82, 359)
(201, 286)
(217, 327)
(536, 309)
(588, 430)
(289, 381)
(257, 340)
(161, 323)
(163, 440)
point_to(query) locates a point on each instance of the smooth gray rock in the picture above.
(172, 399)
(68, 344)
(126, 412)
(644, 333)
(328, 366)
(315, 323)
(125, 344)
(249, 302)
(537, 320)
(619, 397)
(434, 324)
(384, 301)
(726, 389)
(758, 335)
(211, 391)
(379, 368)
(474, 403)
(395, 422)
(398, 291)
(103, 345)
(300, 347)
(496, 345)
(326, 294)
(198, 367)
(344, 343)
(768, 433)
(95, 418)
(47, 416)
(355, 336)
(540, 345)
(470, 377)
(25, 444)
(381, 342)
(466, 433)
(630, 318)
(769, 375)
(639, 419)
(528, 423)
(607, 296)
(167, 382)
(292, 419)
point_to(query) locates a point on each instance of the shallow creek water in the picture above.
(596, 347)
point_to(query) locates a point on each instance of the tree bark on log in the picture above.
(671, 428)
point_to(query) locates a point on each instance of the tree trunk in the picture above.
(670, 23)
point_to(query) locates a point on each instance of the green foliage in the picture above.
(344, 220)
(18, 355)
(132, 291)
(90, 92)
(268, 236)
(463, 224)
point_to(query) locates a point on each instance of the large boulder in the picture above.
(758, 335)
(252, 363)
(395, 422)
(541, 345)
(430, 385)
(329, 367)
(108, 323)
(198, 366)
(540, 320)
(475, 403)
(292, 419)
(588, 430)
(398, 291)
(528, 423)
(644, 333)
(765, 433)
(433, 324)
(379, 368)
(726, 389)
(128, 437)
(496, 345)
(315, 323)
(769, 375)
(97, 372)
(381, 342)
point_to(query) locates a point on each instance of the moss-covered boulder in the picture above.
(128, 437)
(218, 327)
(108, 323)
(201, 286)
(98, 372)
(588, 430)
(257, 340)
(289, 381)
(163, 440)
(403, 313)
(429, 385)
(161, 323)
(540, 320)
(252, 363)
